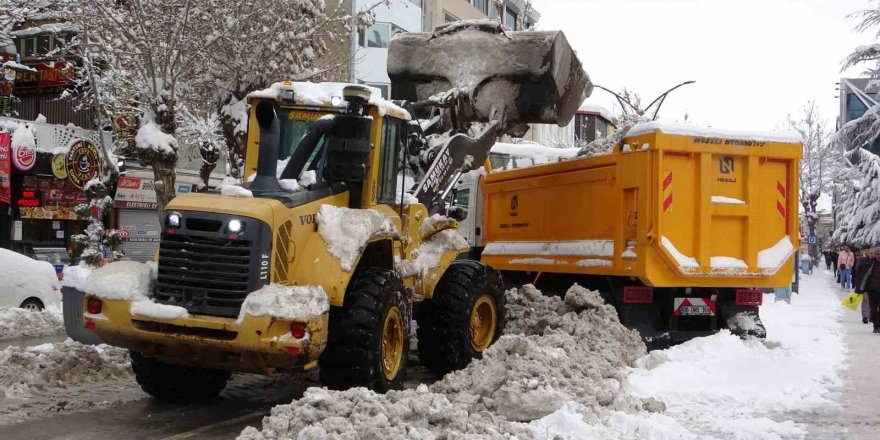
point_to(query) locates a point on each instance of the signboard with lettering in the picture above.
(134, 193)
(48, 74)
(24, 156)
(82, 163)
(5, 167)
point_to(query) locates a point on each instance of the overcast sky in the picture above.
(755, 61)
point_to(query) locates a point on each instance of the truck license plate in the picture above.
(694, 307)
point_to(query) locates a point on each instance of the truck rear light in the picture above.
(749, 297)
(638, 295)
(94, 306)
(90, 325)
(298, 330)
(293, 350)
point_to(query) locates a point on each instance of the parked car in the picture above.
(56, 256)
(27, 283)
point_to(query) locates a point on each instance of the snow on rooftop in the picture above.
(787, 137)
(536, 152)
(52, 28)
(596, 109)
(328, 94)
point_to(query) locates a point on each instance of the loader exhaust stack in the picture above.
(528, 76)
(266, 181)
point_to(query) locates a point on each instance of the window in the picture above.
(510, 19)
(377, 35)
(393, 138)
(460, 199)
(855, 108)
(481, 5)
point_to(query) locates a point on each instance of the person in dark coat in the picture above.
(869, 283)
(834, 257)
(827, 255)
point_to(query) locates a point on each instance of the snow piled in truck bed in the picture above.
(788, 137)
(292, 303)
(554, 351)
(347, 231)
(536, 152)
(21, 323)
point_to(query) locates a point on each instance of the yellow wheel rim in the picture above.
(391, 348)
(484, 318)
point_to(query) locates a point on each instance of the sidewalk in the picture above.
(860, 417)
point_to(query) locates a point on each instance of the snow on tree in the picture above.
(858, 213)
(202, 130)
(96, 239)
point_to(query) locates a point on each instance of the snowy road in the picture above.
(811, 379)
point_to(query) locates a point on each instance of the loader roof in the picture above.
(327, 94)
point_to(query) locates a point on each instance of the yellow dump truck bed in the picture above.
(673, 206)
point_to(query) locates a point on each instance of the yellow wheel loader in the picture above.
(355, 155)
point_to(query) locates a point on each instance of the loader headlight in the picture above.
(235, 226)
(172, 220)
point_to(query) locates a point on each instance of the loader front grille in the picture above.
(212, 273)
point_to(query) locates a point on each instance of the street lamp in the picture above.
(659, 101)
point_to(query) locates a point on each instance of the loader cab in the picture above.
(328, 134)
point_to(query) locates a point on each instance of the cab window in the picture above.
(393, 138)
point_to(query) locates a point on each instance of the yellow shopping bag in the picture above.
(852, 301)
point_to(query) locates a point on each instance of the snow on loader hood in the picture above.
(554, 351)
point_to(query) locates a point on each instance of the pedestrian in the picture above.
(870, 284)
(845, 263)
(827, 256)
(834, 256)
(861, 268)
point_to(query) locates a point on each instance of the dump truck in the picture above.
(217, 253)
(680, 228)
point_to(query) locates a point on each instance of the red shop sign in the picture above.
(5, 167)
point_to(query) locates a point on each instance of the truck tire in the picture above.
(464, 317)
(176, 383)
(368, 338)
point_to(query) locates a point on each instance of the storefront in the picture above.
(137, 215)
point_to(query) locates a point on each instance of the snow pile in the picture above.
(773, 257)
(76, 276)
(578, 248)
(347, 231)
(683, 260)
(327, 94)
(291, 303)
(430, 251)
(26, 372)
(727, 137)
(728, 387)
(21, 323)
(24, 277)
(537, 153)
(290, 185)
(235, 191)
(721, 200)
(121, 280)
(571, 350)
(151, 137)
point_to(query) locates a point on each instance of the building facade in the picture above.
(591, 122)
(855, 100)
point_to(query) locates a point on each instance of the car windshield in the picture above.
(52, 255)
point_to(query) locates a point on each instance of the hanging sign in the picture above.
(59, 166)
(24, 156)
(5, 168)
(82, 163)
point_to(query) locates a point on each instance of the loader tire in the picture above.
(466, 315)
(368, 338)
(176, 383)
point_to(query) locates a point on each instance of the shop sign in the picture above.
(59, 166)
(24, 156)
(134, 193)
(5, 168)
(51, 74)
(31, 198)
(48, 213)
(82, 163)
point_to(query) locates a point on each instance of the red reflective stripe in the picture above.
(710, 304)
(781, 189)
(667, 203)
(780, 208)
(667, 181)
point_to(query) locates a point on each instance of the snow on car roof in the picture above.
(786, 137)
(323, 94)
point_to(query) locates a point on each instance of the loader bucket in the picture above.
(532, 76)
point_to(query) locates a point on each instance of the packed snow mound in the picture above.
(24, 277)
(537, 153)
(555, 350)
(122, 280)
(347, 231)
(21, 323)
(292, 303)
(430, 252)
(25, 372)
(77, 276)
